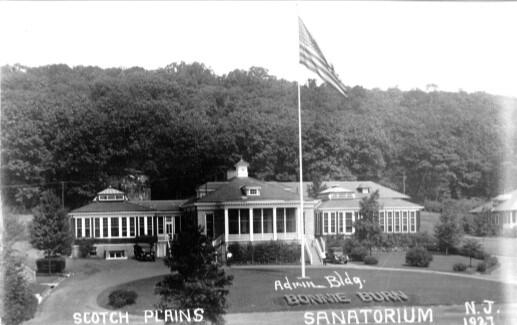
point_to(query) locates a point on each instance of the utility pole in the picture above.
(404, 181)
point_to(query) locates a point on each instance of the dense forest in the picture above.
(183, 125)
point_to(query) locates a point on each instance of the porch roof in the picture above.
(111, 206)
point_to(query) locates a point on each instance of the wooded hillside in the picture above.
(183, 125)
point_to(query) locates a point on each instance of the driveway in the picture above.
(78, 294)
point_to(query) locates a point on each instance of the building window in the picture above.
(290, 220)
(114, 227)
(413, 221)
(332, 222)
(340, 222)
(397, 221)
(79, 223)
(404, 221)
(390, 221)
(87, 228)
(124, 227)
(150, 226)
(513, 216)
(381, 221)
(325, 223)
(132, 227)
(141, 226)
(267, 215)
(348, 222)
(160, 225)
(280, 219)
(257, 221)
(253, 191)
(97, 228)
(244, 215)
(233, 221)
(104, 227)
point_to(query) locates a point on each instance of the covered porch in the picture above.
(249, 224)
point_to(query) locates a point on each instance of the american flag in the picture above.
(312, 57)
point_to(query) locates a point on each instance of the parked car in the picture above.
(335, 255)
(144, 252)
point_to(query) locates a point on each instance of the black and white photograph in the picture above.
(258, 162)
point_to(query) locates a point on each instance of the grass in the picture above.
(440, 262)
(253, 290)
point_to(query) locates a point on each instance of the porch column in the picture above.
(275, 236)
(83, 228)
(251, 224)
(226, 225)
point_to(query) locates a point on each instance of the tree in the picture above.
(50, 229)
(448, 231)
(367, 229)
(471, 247)
(197, 281)
(19, 304)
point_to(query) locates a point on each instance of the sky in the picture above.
(468, 46)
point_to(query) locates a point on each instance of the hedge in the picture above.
(265, 253)
(120, 298)
(57, 264)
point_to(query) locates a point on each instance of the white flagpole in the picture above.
(301, 223)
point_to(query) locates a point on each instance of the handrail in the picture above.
(308, 249)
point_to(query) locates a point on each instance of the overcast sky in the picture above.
(466, 45)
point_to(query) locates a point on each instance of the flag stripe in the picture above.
(312, 57)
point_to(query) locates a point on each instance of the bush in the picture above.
(459, 267)
(57, 264)
(358, 253)
(370, 260)
(490, 261)
(85, 247)
(481, 268)
(418, 256)
(120, 298)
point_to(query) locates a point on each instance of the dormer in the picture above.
(336, 192)
(362, 189)
(111, 195)
(251, 190)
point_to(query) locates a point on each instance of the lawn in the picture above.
(440, 262)
(253, 289)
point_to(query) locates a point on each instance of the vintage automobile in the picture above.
(335, 255)
(144, 252)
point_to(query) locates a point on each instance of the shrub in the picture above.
(358, 253)
(418, 256)
(370, 260)
(490, 261)
(481, 267)
(85, 247)
(459, 267)
(57, 264)
(120, 298)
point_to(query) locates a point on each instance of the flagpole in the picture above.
(302, 259)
